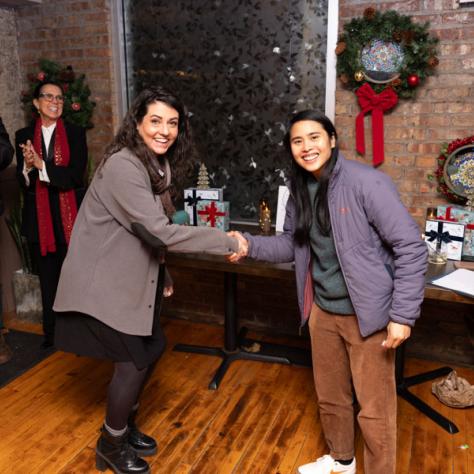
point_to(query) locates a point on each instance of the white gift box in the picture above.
(193, 195)
(445, 235)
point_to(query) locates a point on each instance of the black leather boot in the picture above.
(141, 443)
(115, 453)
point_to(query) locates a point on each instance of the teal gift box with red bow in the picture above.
(213, 214)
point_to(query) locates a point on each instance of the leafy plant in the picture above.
(14, 226)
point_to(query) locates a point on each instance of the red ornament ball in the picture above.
(41, 76)
(413, 80)
(76, 106)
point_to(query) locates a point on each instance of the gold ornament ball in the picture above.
(359, 76)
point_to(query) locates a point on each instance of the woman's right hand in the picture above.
(243, 247)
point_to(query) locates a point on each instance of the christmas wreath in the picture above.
(446, 151)
(388, 50)
(383, 56)
(78, 107)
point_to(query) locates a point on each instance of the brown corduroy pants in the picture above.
(343, 359)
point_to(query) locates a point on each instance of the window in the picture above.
(241, 67)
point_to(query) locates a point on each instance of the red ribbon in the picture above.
(448, 215)
(369, 101)
(211, 212)
(448, 218)
(67, 198)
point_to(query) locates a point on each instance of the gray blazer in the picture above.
(108, 272)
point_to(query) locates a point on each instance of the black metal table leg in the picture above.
(238, 347)
(403, 383)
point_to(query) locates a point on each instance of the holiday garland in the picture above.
(446, 151)
(418, 47)
(77, 107)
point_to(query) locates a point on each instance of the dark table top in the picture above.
(249, 266)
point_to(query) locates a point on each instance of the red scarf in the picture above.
(67, 199)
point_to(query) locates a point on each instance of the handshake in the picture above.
(243, 247)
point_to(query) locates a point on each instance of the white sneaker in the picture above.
(327, 465)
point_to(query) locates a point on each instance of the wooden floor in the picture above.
(263, 418)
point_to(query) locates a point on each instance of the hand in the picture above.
(396, 334)
(32, 159)
(243, 247)
(168, 291)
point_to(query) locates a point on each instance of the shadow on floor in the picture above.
(27, 353)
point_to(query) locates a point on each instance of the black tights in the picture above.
(124, 390)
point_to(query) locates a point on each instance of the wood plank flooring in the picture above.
(262, 420)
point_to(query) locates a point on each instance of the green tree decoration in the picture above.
(78, 107)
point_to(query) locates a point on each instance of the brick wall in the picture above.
(442, 111)
(10, 87)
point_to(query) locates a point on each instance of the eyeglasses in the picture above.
(51, 97)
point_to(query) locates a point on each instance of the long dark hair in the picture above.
(181, 154)
(299, 179)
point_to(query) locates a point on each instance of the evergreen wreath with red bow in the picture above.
(366, 41)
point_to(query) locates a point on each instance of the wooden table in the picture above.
(236, 344)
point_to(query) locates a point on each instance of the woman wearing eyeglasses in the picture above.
(51, 162)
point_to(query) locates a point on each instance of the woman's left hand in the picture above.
(32, 158)
(168, 291)
(396, 335)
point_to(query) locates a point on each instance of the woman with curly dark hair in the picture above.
(109, 279)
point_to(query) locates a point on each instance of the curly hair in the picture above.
(181, 155)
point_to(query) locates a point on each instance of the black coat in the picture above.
(62, 178)
(6, 149)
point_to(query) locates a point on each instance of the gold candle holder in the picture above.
(431, 213)
(265, 219)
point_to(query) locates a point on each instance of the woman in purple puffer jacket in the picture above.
(360, 264)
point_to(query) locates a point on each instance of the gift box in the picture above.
(468, 245)
(445, 235)
(455, 214)
(193, 195)
(213, 214)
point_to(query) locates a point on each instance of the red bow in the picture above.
(211, 211)
(378, 104)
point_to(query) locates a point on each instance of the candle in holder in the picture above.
(265, 219)
(431, 213)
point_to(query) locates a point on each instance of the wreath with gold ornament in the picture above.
(383, 57)
(388, 50)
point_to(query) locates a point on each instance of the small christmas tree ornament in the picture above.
(413, 80)
(203, 177)
(265, 219)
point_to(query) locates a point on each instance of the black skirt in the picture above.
(85, 335)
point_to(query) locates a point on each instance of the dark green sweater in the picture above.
(330, 290)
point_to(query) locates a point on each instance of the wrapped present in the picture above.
(193, 195)
(468, 245)
(455, 214)
(213, 214)
(445, 235)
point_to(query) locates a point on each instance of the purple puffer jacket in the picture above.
(379, 246)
